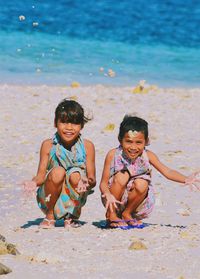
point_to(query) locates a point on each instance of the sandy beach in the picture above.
(171, 240)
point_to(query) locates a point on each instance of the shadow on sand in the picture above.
(102, 224)
(29, 224)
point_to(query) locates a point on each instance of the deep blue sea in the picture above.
(57, 42)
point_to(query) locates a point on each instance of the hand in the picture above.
(111, 201)
(193, 181)
(91, 182)
(29, 187)
(82, 185)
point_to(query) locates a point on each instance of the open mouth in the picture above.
(68, 134)
(133, 153)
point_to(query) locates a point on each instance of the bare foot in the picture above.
(133, 222)
(115, 222)
(47, 223)
(70, 222)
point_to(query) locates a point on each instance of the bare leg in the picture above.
(74, 179)
(117, 189)
(69, 220)
(135, 197)
(52, 188)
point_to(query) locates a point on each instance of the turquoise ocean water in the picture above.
(48, 42)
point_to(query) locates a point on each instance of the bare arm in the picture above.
(90, 163)
(42, 167)
(111, 201)
(106, 172)
(164, 170)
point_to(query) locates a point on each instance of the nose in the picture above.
(133, 146)
(68, 126)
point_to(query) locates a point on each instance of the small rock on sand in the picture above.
(4, 269)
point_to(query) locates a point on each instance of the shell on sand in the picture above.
(109, 127)
(137, 245)
(75, 84)
(183, 212)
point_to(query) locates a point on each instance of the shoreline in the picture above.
(110, 85)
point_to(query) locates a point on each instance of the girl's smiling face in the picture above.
(133, 144)
(68, 132)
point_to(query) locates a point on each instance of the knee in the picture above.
(57, 175)
(121, 179)
(141, 186)
(74, 178)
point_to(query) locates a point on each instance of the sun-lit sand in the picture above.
(168, 247)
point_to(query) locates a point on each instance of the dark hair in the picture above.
(70, 111)
(133, 123)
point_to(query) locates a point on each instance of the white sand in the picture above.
(172, 237)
